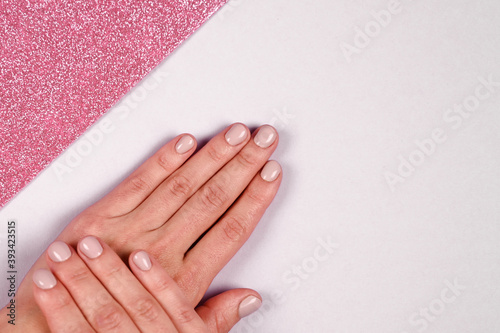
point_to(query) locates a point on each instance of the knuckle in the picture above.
(234, 228)
(146, 309)
(216, 153)
(218, 320)
(61, 301)
(161, 285)
(246, 158)
(210, 317)
(108, 317)
(188, 280)
(185, 315)
(114, 270)
(258, 197)
(213, 196)
(100, 300)
(163, 162)
(87, 224)
(180, 186)
(138, 184)
(79, 275)
(222, 322)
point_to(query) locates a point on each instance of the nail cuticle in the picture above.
(184, 144)
(236, 134)
(265, 137)
(59, 251)
(44, 279)
(91, 247)
(270, 171)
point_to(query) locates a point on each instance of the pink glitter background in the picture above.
(64, 63)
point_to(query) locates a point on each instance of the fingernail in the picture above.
(236, 134)
(184, 144)
(265, 136)
(270, 171)
(44, 279)
(141, 259)
(59, 251)
(248, 306)
(91, 247)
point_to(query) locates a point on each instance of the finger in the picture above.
(220, 313)
(225, 238)
(99, 308)
(141, 306)
(177, 188)
(214, 198)
(142, 182)
(59, 309)
(165, 290)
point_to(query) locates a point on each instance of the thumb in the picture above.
(220, 313)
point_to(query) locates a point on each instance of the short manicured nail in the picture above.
(44, 279)
(59, 251)
(184, 144)
(236, 134)
(91, 247)
(265, 136)
(141, 259)
(270, 171)
(248, 306)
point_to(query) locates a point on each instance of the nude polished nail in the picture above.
(59, 251)
(141, 259)
(265, 136)
(91, 247)
(44, 279)
(184, 144)
(270, 171)
(236, 134)
(248, 306)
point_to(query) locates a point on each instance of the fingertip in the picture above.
(44, 279)
(271, 171)
(266, 136)
(237, 134)
(59, 251)
(141, 260)
(185, 143)
(223, 311)
(249, 305)
(91, 247)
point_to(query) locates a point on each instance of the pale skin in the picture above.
(165, 208)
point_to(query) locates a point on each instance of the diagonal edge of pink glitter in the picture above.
(64, 64)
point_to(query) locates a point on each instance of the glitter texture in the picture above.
(64, 63)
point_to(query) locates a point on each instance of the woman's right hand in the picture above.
(92, 290)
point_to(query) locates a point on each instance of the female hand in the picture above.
(192, 213)
(92, 290)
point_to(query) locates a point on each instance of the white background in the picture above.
(345, 123)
